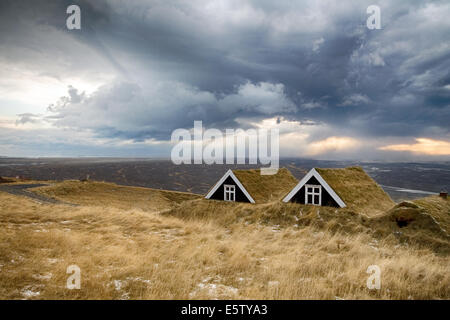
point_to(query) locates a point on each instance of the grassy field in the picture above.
(136, 243)
(105, 194)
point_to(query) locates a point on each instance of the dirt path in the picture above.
(21, 190)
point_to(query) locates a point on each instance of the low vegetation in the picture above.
(135, 243)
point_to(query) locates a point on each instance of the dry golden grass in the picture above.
(422, 229)
(207, 249)
(105, 194)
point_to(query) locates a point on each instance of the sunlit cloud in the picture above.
(422, 146)
(36, 89)
(332, 144)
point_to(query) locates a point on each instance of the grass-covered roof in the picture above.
(359, 191)
(266, 188)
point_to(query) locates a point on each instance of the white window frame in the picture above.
(313, 193)
(230, 190)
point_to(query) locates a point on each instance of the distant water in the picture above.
(398, 194)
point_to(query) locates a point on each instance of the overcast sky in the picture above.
(137, 70)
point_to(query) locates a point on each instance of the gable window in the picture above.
(229, 192)
(313, 194)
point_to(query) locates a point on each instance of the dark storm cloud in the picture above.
(179, 61)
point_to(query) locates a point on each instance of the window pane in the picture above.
(309, 198)
(316, 190)
(316, 200)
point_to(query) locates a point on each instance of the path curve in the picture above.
(21, 190)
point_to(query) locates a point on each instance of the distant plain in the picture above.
(399, 180)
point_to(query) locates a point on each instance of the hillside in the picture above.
(127, 248)
(438, 208)
(407, 223)
(105, 194)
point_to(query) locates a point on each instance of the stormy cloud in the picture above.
(137, 70)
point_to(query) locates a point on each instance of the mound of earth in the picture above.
(410, 215)
(5, 180)
(424, 222)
